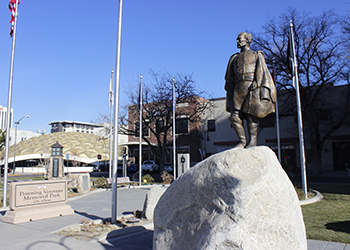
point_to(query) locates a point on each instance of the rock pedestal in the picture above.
(237, 199)
(152, 198)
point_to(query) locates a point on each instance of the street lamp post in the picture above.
(14, 153)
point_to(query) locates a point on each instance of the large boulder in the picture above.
(237, 199)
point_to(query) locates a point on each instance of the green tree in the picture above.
(323, 59)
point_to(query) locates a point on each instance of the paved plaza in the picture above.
(97, 205)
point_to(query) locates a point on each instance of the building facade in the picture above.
(187, 132)
(213, 133)
(218, 135)
(74, 126)
(21, 135)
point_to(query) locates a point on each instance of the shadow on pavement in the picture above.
(90, 216)
(128, 212)
(131, 238)
(49, 244)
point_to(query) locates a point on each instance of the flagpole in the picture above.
(140, 132)
(111, 124)
(116, 115)
(174, 144)
(9, 100)
(300, 121)
(277, 118)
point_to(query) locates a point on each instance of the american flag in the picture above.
(12, 7)
(292, 61)
(173, 97)
(139, 100)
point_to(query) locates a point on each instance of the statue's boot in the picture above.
(237, 125)
(253, 133)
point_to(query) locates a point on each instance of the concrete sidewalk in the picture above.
(97, 205)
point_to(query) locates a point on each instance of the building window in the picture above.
(145, 129)
(211, 125)
(136, 129)
(160, 126)
(182, 126)
(56, 151)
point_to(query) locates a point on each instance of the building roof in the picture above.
(75, 122)
(56, 145)
(82, 147)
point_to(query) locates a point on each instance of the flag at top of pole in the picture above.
(140, 94)
(12, 7)
(110, 90)
(173, 97)
(292, 61)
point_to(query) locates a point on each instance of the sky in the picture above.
(65, 50)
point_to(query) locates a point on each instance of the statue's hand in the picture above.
(253, 86)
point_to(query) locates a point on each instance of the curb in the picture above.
(317, 198)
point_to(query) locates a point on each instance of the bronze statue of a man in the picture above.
(251, 93)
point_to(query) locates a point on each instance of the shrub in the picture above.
(100, 183)
(167, 178)
(148, 178)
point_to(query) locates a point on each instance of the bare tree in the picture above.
(157, 109)
(322, 58)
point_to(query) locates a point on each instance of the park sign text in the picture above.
(37, 200)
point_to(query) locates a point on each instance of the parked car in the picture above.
(101, 167)
(3, 168)
(150, 166)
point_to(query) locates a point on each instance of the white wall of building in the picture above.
(21, 135)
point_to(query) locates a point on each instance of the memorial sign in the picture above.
(36, 200)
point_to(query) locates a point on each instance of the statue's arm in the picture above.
(229, 72)
(229, 84)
